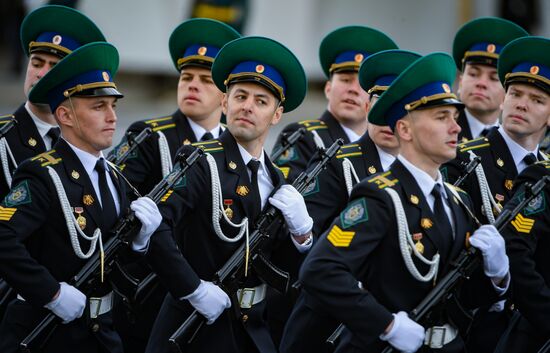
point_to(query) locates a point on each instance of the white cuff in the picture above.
(139, 247)
(305, 246)
(505, 284)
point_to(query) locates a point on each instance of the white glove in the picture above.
(69, 304)
(491, 244)
(209, 300)
(148, 214)
(291, 204)
(405, 335)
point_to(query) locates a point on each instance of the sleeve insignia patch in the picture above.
(285, 171)
(523, 224)
(289, 155)
(536, 206)
(355, 213)
(6, 213)
(180, 183)
(340, 238)
(312, 188)
(19, 195)
(166, 196)
(122, 148)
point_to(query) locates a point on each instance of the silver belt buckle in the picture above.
(436, 337)
(95, 314)
(247, 298)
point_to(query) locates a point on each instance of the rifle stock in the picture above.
(87, 278)
(229, 276)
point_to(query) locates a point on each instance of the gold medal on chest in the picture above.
(80, 219)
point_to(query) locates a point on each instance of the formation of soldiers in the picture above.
(407, 217)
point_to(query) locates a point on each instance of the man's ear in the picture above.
(64, 115)
(277, 115)
(403, 128)
(224, 103)
(328, 86)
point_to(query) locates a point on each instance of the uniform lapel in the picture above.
(461, 223)
(504, 164)
(76, 173)
(28, 133)
(184, 130)
(465, 134)
(334, 128)
(371, 159)
(277, 177)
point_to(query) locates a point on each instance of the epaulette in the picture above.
(283, 170)
(47, 158)
(383, 180)
(162, 123)
(210, 146)
(475, 144)
(545, 163)
(350, 150)
(4, 119)
(313, 124)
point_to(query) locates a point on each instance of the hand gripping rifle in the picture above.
(469, 260)
(287, 142)
(127, 149)
(91, 275)
(467, 170)
(7, 127)
(233, 271)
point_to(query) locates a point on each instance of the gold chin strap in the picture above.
(527, 75)
(262, 77)
(377, 88)
(424, 100)
(79, 88)
(49, 45)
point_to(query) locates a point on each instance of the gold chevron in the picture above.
(523, 224)
(6, 213)
(166, 196)
(340, 238)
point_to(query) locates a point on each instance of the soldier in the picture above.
(525, 66)
(48, 34)
(62, 204)
(476, 49)
(261, 78)
(372, 153)
(193, 46)
(401, 229)
(341, 52)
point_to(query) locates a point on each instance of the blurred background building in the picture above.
(140, 30)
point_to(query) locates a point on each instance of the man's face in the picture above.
(250, 109)
(39, 64)
(198, 96)
(433, 133)
(382, 136)
(480, 89)
(525, 111)
(347, 101)
(91, 125)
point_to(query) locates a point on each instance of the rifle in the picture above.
(287, 142)
(545, 347)
(7, 127)
(231, 273)
(131, 145)
(122, 233)
(469, 260)
(468, 169)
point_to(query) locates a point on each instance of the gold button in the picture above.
(95, 327)
(245, 318)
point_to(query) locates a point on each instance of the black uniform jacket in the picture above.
(35, 246)
(362, 245)
(295, 159)
(329, 195)
(498, 165)
(465, 134)
(24, 142)
(528, 247)
(195, 252)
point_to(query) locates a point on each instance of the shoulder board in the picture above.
(475, 144)
(455, 188)
(383, 180)
(313, 124)
(4, 119)
(545, 163)
(162, 123)
(349, 150)
(47, 158)
(210, 146)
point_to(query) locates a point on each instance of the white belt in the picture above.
(251, 296)
(438, 336)
(100, 306)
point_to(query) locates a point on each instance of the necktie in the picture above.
(441, 218)
(254, 165)
(484, 132)
(53, 134)
(530, 159)
(207, 136)
(107, 203)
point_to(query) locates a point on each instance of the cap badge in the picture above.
(202, 50)
(260, 69)
(446, 88)
(57, 39)
(105, 76)
(491, 48)
(534, 70)
(358, 57)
